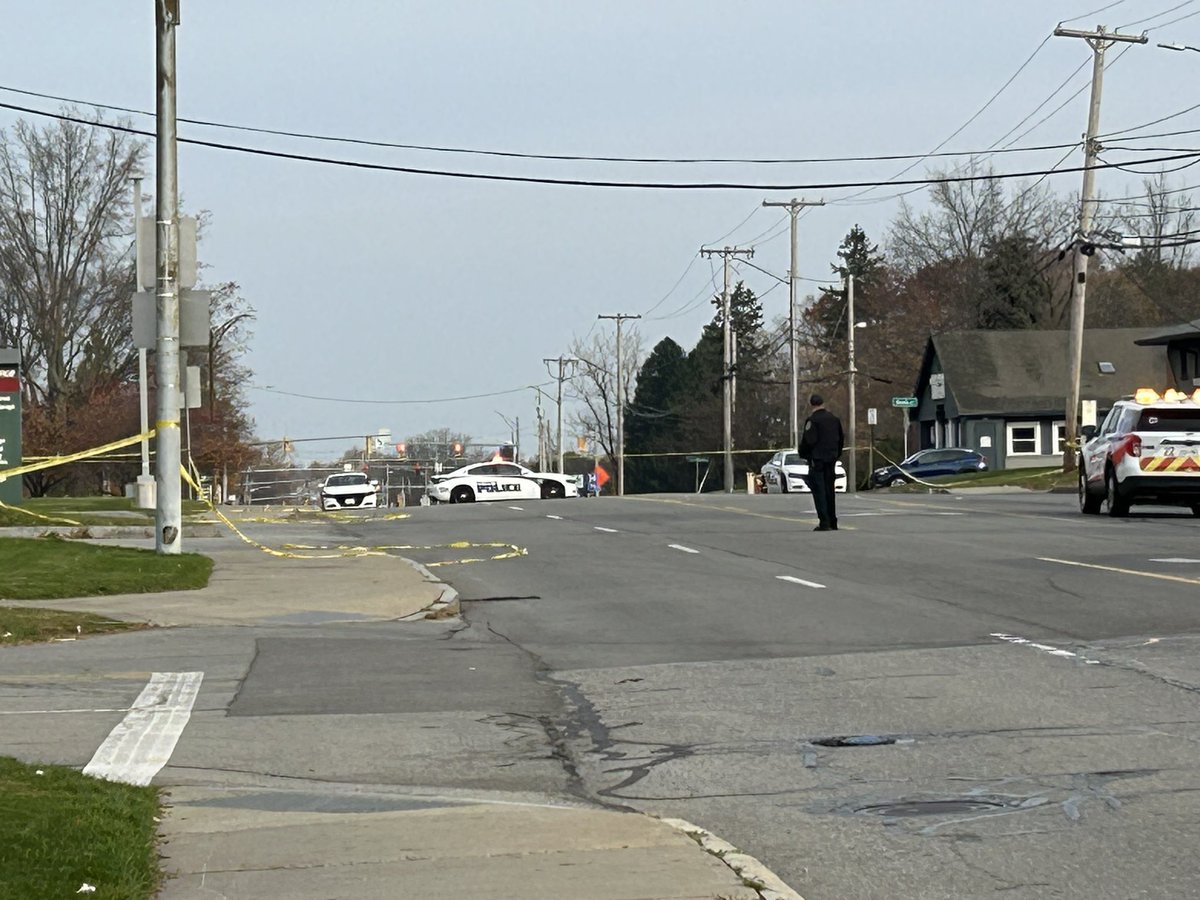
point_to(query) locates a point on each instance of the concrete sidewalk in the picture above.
(254, 839)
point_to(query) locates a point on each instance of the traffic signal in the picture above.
(402, 450)
(457, 449)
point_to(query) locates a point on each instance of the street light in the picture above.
(1179, 47)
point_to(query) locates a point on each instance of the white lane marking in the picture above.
(518, 508)
(559, 518)
(683, 548)
(142, 743)
(794, 580)
(1176, 559)
(1119, 571)
(605, 530)
(1045, 648)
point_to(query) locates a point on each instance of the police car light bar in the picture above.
(1149, 395)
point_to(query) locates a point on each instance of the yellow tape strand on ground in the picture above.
(53, 520)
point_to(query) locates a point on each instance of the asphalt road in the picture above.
(1031, 674)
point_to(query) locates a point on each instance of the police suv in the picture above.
(499, 481)
(1147, 450)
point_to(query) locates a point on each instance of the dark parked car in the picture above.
(930, 464)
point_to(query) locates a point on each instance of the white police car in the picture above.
(499, 481)
(348, 489)
(1147, 450)
(787, 473)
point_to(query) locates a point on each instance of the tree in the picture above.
(594, 385)
(65, 270)
(1015, 292)
(435, 444)
(652, 421)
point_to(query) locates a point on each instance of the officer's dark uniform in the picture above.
(821, 444)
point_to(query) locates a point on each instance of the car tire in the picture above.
(1196, 510)
(1089, 503)
(552, 490)
(462, 494)
(783, 485)
(1117, 505)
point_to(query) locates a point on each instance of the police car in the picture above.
(499, 481)
(1147, 450)
(347, 489)
(786, 472)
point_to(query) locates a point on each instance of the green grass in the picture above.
(49, 568)
(60, 830)
(27, 624)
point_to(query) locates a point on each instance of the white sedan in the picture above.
(348, 489)
(499, 481)
(786, 473)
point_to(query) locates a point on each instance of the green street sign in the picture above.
(904, 401)
(697, 459)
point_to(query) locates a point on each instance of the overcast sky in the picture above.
(381, 286)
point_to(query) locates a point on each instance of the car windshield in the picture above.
(344, 480)
(1181, 419)
(792, 459)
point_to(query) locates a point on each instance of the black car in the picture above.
(930, 464)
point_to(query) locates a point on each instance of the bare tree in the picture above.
(594, 386)
(65, 268)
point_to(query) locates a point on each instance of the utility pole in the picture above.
(793, 207)
(168, 504)
(620, 317)
(143, 375)
(563, 362)
(1099, 40)
(852, 484)
(727, 357)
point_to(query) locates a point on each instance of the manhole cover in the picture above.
(854, 740)
(930, 807)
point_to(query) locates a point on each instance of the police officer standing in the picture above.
(821, 445)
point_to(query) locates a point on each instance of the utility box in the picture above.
(10, 424)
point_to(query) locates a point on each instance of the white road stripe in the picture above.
(559, 518)
(144, 740)
(794, 580)
(1176, 559)
(1119, 571)
(52, 712)
(683, 548)
(1045, 648)
(606, 530)
(518, 508)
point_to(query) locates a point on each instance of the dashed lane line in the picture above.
(1082, 565)
(1175, 559)
(1045, 648)
(559, 518)
(794, 580)
(605, 530)
(142, 742)
(683, 548)
(518, 508)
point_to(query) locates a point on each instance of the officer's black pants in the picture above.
(821, 475)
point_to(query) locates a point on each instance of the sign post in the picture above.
(10, 424)
(904, 404)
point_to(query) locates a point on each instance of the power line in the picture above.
(507, 154)
(271, 390)
(1088, 15)
(1158, 15)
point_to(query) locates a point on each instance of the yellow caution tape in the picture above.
(59, 520)
(52, 461)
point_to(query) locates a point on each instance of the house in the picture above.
(1003, 393)
(1183, 352)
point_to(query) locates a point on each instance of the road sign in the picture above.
(872, 416)
(904, 401)
(697, 459)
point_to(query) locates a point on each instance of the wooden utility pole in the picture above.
(620, 317)
(1099, 40)
(563, 362)
(727, 357)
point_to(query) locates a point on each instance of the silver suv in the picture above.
(1147, 450)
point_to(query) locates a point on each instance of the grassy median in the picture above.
(48, 568)
(60, 830)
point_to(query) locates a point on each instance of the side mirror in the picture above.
(1088, 432)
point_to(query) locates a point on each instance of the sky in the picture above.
(383, 297)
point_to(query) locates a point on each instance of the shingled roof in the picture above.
(1187, 331)
(1025, 372)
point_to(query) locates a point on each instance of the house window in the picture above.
(1023, 439)
(1060, 436)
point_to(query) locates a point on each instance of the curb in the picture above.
(101, 532)
(446, 606)
(769, 885)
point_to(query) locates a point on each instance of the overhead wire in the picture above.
(273, 390)
(1159, 15)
